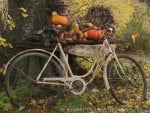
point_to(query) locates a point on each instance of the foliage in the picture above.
(5, 104)
(3, 43)
(139, 25)
(98, 100)
(10, 23)
(24, 12)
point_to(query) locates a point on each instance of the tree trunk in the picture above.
(25, 26)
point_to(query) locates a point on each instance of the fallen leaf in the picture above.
(23, 10)
(95, 90)
(92, 112)
(122, 110)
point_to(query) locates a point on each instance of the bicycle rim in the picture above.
(130, 85)
(20, 77)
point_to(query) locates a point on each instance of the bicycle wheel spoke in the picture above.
(128, 81)
(24, 74)
(21, 85)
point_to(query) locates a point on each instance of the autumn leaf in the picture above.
(121, 110)
(24, 15)
(92, 112)
(2, 39)
(11, 23)
(134, 36)
(95, 90)
(24, 12)
(4, 43)
(9, 45)
(147, 102)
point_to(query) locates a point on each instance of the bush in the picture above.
(139, 25)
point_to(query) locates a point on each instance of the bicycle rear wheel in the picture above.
(20, 83)
(129, 85)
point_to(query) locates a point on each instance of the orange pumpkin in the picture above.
(93, 34)
(85, 35)
(59, 20)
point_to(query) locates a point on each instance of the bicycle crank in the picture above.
(77, 86)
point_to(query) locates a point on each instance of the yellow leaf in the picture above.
(121, 110)
(9, 17)
(11, 23)
(95, 90)
(24, 15)
(23, 10)
(9, 45)
(134, 36)
(2, 39)
(3, 44)
(1, 70)
(147, 102)
(8, 21)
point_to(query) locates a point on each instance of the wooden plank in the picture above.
(86, 50)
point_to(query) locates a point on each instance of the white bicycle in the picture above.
(35, 74)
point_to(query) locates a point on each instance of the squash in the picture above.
(93, 34)
(59, 20)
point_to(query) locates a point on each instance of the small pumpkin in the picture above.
(85, 35)
(59, 20)
(94, 34)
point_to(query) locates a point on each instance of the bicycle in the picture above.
(123, 76)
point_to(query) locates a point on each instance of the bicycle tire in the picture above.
(123, 89)
(22, 95)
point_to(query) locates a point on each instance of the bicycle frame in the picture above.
(69, 76)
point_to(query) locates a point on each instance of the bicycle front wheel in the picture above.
(127, 80)
(21, 86)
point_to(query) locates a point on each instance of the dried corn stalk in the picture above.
(100, 16)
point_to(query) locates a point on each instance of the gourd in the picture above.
(59, 20)
(94, 34)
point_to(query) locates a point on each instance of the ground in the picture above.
(98, 100)
(95, 100)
